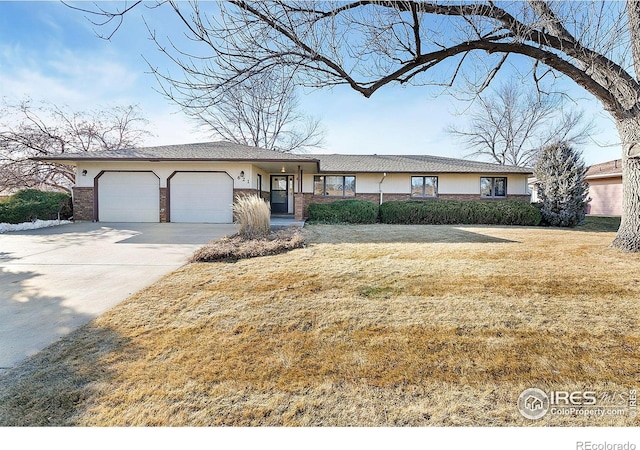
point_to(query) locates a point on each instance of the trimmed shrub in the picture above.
(452, 212)
(344, 211)
(30, 205)
(323, 213)
(253, 215)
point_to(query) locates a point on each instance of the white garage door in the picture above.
(201, 197)
(128, 197)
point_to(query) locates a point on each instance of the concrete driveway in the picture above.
(53, 280)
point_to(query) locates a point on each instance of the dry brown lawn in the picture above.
(368, 325)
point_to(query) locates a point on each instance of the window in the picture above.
(334, 185)
(493, 187)
(424, 187)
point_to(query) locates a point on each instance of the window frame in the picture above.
(493, 187)
(324, 186)
(424, 195)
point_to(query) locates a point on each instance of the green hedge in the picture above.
(344, 211)
(31, 204)
(451, 212)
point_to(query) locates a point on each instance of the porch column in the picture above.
(298, 198)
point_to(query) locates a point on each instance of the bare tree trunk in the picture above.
(628, 237)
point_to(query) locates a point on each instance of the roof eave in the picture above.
(342, 171)
(148, 159)
(76, 161)
(603, 175)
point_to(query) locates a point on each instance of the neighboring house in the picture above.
(605, 188)
(198, 182)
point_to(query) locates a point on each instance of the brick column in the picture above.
(83, 207)
(163, 205)
(298, 206)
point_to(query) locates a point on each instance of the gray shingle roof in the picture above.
(228, 151)
(611, 168)
(409, 163)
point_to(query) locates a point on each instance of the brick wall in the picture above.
(467, 197)
(394, 197)
(522, 198)
(308, 198)
(461, 197)
(238, 192)
(83, 207)
(83, 203)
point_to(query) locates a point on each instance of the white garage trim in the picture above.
(200, 197)
(127, 196)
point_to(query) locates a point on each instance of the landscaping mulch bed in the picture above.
(238, 247)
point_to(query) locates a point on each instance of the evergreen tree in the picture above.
(562, 190)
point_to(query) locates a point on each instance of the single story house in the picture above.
(605, 188)
(198, 182)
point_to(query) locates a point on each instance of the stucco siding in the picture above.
(470, 183)
(400, 183)
(266, 185)
(164, 169)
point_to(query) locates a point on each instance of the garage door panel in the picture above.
(128, 197)
(201, 197)
(606, 199)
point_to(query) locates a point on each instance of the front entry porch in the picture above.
(285, 196)
(285, 221)
(281, 194)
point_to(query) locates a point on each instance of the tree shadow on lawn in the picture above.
(55, 387)
(599, 224)
(388, 234)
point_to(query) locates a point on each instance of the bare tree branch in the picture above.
(261, 112)
(369, 44)
(106, 17)
(29, 130)
(511, 124)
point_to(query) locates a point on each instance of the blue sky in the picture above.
(49, 52)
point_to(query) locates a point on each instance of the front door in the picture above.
(279, 194)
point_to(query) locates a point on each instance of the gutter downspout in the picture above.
(384, 175)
